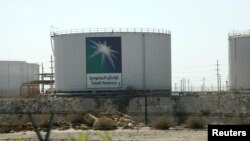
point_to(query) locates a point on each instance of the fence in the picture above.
(236, 34)
(55, 31)
(67, 112)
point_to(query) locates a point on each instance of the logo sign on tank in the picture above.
(103, 62)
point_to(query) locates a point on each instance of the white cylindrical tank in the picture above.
(112, 60)
(239, 57)
(14, 73)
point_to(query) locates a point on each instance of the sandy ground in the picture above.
(117, 135)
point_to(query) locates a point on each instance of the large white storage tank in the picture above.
(14, 73)
(239, 57)
(112, 60)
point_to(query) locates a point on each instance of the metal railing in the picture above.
(236, 34)
(56, 31)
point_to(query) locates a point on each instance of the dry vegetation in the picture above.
(196, 122)
(104, 123)
(239, 121)
(162, 123)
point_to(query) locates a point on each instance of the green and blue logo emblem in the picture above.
(103, 55)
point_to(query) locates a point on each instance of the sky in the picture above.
(199, 29)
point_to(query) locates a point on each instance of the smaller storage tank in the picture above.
(14, 73)
(239, 57)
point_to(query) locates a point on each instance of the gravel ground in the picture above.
(117, 135)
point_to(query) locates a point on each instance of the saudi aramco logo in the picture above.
(103, 54)
(103, 62)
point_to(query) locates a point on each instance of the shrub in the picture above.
(82, 136)
(105, 136)
(205, 112)
(196, 123)
(180, 117)
(179, 112)
(162, 123)
(89, 119)
(239, 121)
(104, 123)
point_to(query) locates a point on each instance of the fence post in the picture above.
(146, 109)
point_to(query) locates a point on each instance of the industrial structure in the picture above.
(239, 56)
(17, 76)
(112, 59)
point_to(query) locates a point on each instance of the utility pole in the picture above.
(176, 87)
(9, 76)
(188, 85)
(227, 86)
(181, 85)
(51, 77)
(42, 77)
(204, 86)
(220, 82)
(184, 84)
(218, 75)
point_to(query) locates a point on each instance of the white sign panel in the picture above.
(103, 62)
(104, 80)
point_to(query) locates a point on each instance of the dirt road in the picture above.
(117, 135)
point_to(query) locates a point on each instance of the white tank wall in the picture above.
(14, 73)
(239, 66)
(146, 60)
(158, 61)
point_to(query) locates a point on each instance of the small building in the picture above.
(14, 74)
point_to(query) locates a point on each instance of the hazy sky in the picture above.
(199, 28)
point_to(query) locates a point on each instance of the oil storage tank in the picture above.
(239, 56)
(14, 73)
(112, 59)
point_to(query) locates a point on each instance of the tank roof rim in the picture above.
(55, 32)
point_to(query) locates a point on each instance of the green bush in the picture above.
(103, 136)
(106, 136)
